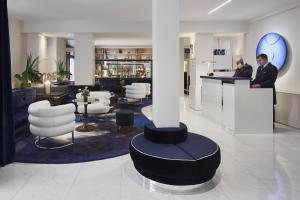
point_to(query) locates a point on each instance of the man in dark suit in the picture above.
(243, 69)
(266, 76)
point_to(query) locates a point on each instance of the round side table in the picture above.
(85, 127)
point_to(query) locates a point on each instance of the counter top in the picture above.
(225, 79)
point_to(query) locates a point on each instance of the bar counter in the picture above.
(225, 79)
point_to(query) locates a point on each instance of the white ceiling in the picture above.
(140, 10)
(137, 10)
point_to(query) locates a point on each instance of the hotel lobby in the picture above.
(149, 99)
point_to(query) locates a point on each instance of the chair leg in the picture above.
(38, 140)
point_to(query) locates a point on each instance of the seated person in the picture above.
(243, 69)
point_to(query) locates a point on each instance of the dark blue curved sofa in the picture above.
(21, 99)
(174, 156)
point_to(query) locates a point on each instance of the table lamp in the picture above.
(210, 67)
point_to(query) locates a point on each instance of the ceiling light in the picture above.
(220, 6)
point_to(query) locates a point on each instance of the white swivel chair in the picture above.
(148, 87)
(136, 91)
(101, 105)
(48, 121)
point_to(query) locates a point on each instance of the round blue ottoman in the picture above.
(124, 119)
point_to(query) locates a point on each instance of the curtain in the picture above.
(7, 148)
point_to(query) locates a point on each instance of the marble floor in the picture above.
(254, 167)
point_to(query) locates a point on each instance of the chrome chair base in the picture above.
(38, 139)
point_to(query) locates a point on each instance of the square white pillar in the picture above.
(181, 58)
(166, 69)
(84, 71)
(52, 54)
(56, 50)
(36, 45)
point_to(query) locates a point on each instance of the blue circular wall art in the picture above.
(274, 45)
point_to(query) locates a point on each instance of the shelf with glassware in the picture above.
(123, 53)
(123, 62)
(116, 68)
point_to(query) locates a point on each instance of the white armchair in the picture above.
(101, 104)
(138, 90)
(48, 121)
(147, 85)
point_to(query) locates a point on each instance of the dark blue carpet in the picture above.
(105, 142)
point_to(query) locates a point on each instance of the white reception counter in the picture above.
(234, 104)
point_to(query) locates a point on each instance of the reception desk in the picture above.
(235, 105)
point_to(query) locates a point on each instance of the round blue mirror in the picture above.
(274, 45)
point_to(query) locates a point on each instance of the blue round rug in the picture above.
(105, 142)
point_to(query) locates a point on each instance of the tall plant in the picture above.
(31, 73)
(61, 72)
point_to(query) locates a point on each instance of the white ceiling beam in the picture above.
(129, 27)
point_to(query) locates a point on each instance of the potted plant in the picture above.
(31, 73)
(61, 72)
(85, 93)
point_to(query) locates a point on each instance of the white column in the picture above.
(52, 54)
(181, 58)
(32, 44)
(84, 59)
(56, 51)
(61, 49)
(203, 52)
(166, 71)
(37, 46)
(17, 48)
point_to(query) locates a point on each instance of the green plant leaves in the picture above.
(61, 71)
(31, 73)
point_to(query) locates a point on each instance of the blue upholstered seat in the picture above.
(193, 161)
(21, 99)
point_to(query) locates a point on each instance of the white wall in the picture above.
(287, 25)
(32, 44)
(237, 45)
(222, 43)
(288, 82)
(84, 59)
(288, 109)
(234, 45)
(17, 48)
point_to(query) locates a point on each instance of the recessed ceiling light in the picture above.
(220, 6)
